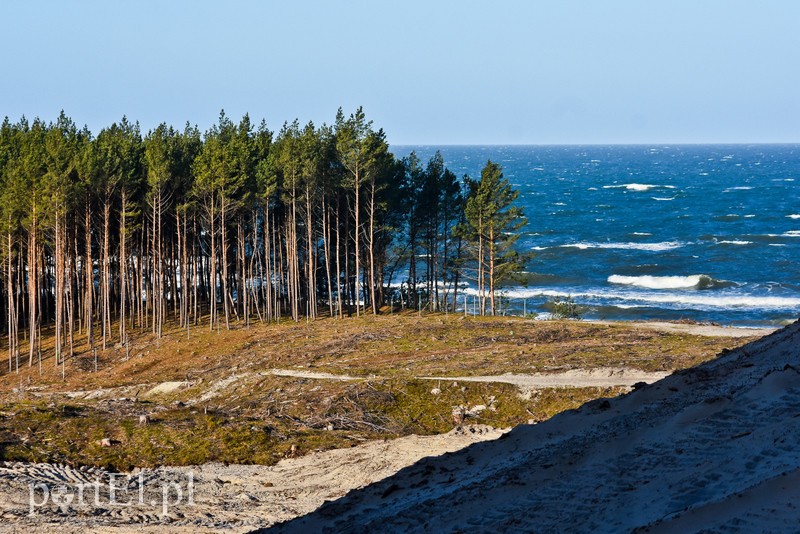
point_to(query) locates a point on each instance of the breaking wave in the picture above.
(652, 247)
(696, 281)
(734, 242)
(638, 187)
(683, 300)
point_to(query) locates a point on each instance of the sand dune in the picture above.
(712, 447)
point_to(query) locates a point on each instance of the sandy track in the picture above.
(705, 330)
(576, 378)
(601, 377)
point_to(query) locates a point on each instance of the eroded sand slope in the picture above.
(712, 447)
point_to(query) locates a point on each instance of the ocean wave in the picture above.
(794, 216)
(650, 247)
(791, 233)
(662, 199)
(738, 188)
(638, 187)
(734, 242)
(641, 233)
(696, 281)
(726, 301)
(684, 300)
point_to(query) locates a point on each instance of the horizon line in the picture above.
(709, 143)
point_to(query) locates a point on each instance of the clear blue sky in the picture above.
(459, 72)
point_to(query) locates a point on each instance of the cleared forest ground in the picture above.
(215, 397)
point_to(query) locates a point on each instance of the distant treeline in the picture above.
(234, 224)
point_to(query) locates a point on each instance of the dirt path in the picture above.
(311, 374)
(602, 377)
(705, 330)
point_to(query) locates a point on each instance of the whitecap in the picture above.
(738, 188)
(638, 187)
(794, 216)
(662, 282)
(652, 247)
(662, 199)
(641, 233)
(791, 233)
(748, 302)
(734, 242)
(695, 300)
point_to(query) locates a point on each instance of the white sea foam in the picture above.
(791, 233)
(638, 187)
(724, 301)
(641, 233)
(738, 188)
(694, 300)
(652, 247)
(794, 216)
(659, 282)
(734, 242)
(662, 198)
(777, 244)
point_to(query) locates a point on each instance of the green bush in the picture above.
(565, 308)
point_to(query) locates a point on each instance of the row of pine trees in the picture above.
(119, 232)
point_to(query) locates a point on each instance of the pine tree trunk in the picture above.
(326, 250)
(123, 267)
(372, 298)
(356, 237)
(12, 318)
(105, 315)
(59, 287)
(213, 261)
(338, 266)
(490, 246)
(312, 279)
(224, 245)
(33, 274)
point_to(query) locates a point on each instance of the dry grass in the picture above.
(258, 417)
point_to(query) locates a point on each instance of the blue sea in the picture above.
(709, 233)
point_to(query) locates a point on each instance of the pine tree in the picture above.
(491, 225)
